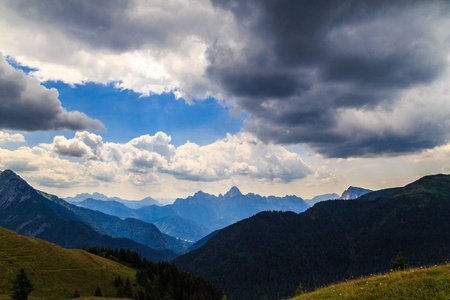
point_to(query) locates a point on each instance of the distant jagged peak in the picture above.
(8, 175)
(200, 194)
(99, 196)
(84, 196)
(91, 200)
(96, 202)
(13, 189)
(234, 191)
(8, 172)
(354, 192)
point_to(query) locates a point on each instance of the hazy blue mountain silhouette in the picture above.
(193, 217)
(135, 204)
(320, 198)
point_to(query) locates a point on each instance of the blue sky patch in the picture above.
(127, 115)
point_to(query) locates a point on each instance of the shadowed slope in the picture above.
(268, 254)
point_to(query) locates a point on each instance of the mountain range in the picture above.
(269, 254)
(349, 194)
(196, 216)
(36, 214)
(137, 230)
(320, 198)
(216, 212)
(98, 196)
(264, 254)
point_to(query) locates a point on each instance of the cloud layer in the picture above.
(86, 158)
(345, 78)
(150, 165)
(27, 105)
(339, 76)
(148, 47)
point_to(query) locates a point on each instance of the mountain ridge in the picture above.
(234, 191)
(137, 230)
(353, 193)
(268, 254)
(319, 198)
(26, 211)
(204, 211)
(135, 204)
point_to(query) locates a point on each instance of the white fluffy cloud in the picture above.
(83, 145)
(146, 159)
(159, 143)
(44, 167)
(239, 155)
(7, 137)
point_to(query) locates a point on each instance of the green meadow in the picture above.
(427, 283)
(56, 272)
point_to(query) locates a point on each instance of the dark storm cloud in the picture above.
(27, 105)
(116, 25)
(333, 144)
(100, 23)
(307, 62)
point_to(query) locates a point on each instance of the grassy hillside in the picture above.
(429, 283)
(56, 272)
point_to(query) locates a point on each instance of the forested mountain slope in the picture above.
(268, 254)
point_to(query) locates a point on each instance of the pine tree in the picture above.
(299, 290)
(127, 291)
(76, 294)
(22, 286)
(119, 293)
(118, 281)
(399, 263)
(98, 292)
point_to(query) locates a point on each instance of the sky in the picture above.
(164, 98)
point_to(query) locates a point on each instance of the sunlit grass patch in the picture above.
(428, 283)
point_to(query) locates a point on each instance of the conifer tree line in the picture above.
(157, 281)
